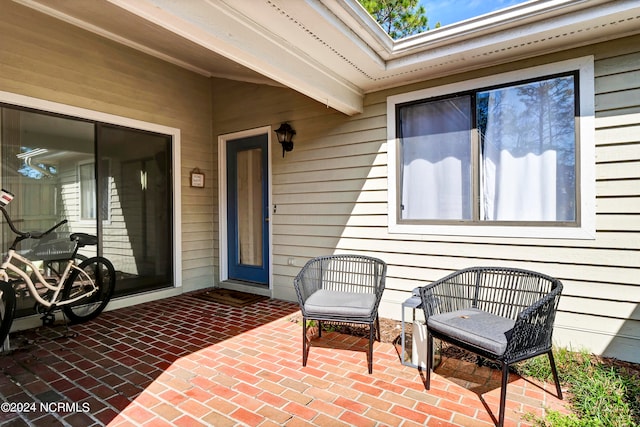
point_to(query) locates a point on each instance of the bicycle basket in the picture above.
(54, 249)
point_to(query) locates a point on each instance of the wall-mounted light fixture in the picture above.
(285, 137)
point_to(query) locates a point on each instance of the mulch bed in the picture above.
(390, 331)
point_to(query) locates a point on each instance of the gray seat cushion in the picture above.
(342, 304)
(475, 327)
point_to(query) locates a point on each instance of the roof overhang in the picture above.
(332, 50)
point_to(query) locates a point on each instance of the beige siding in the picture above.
(331, 196)
(47, 59)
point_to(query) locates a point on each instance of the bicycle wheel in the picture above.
(7, 309)
(96, 270)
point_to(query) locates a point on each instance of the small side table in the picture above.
(418, 337)
(413, 303)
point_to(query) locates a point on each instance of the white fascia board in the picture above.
(363, 25)
(521, 26)
(483, 25)
(529, 29)
(221, 29)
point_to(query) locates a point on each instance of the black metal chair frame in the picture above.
(528, 298)
(336, 276)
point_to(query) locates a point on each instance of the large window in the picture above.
(494, 156)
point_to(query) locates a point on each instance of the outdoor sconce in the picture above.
(285, 137)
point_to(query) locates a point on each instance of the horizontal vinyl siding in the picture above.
(47, 59)
(331, 197)
(614, 314)
(344, 187)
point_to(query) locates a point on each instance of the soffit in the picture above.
(332, 50)
(113, 22)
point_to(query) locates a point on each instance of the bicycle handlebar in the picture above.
(29, 234)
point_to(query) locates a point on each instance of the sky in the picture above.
(451, 11)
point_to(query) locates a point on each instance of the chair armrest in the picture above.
(533, 329)
(453, 292)
(305, 286)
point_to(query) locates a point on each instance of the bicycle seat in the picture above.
(84, 239)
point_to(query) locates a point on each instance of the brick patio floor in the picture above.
(186, 362)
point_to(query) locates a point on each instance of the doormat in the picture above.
(229, 297)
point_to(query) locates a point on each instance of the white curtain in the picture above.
(519, 188)
(520, 164)
(436, 160)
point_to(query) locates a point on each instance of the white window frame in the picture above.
(585, 155)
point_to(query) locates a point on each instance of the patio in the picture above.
(184, 361)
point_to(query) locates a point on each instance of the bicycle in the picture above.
(80, 289)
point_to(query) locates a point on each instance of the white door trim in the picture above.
(222, 198)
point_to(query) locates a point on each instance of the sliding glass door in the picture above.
(105, 180)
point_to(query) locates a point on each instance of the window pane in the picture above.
(40, 157)
(138, 237)
(250, 205)
(528, 151)
(436, 163)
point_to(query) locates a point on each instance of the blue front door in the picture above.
(247, 209)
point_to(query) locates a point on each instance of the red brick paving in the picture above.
(187, 362)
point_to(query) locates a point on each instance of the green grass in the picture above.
(601, 392)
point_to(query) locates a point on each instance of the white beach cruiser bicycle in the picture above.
(80, 287)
